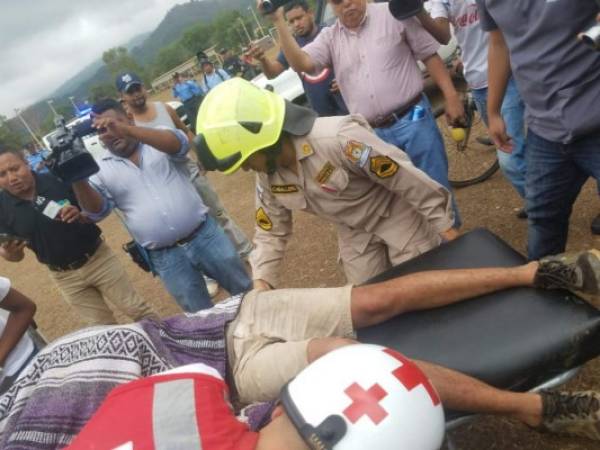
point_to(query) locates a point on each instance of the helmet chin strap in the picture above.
(271, 154)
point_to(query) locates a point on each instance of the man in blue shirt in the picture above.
(321, 91)
(36, 159)
(187, 91)
(211, 75)
(145, 176)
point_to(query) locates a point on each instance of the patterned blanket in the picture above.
(68, 380)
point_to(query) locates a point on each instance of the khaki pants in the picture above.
(379, 255)
(102, 279)
(267, 342)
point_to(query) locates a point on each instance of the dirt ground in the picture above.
(311, 262)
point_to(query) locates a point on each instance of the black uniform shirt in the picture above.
(54, 242)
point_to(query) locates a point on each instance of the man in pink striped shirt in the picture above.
(375, 58)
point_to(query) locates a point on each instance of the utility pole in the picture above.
(262, 32)
(50, 102)
(72, 99)
(245, 30)
(33, 135)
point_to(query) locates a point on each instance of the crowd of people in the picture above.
(366, 156)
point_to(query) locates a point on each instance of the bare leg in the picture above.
(463, 393)
(457, 391)
(373, 304)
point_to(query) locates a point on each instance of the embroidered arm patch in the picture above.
(263, 220)
(382, 166)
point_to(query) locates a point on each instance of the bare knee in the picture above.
(320, 346)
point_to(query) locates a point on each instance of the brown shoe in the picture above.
(571, 413)
(579, 272)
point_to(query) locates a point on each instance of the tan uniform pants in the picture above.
(380, 255)
(102, 279)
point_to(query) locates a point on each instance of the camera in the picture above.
(69, 160)
(270, 6)
(591, 36)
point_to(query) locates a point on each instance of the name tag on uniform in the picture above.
(52, 209)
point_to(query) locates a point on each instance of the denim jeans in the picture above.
(209, 252)
(216, 209)
(555, 174)
(513, 165)
(423, 143)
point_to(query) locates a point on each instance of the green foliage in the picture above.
(9, 139)
(169, 57)
(102, 90)
(118, 60)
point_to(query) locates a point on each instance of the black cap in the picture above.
(126, 80)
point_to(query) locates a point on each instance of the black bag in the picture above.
(139, 255)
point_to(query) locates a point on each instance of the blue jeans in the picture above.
(513, 165)
(555, 174)
(209, 252)
(423, 143)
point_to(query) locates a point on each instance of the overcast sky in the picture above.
(46, 42)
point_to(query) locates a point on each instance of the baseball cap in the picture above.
(127, 79)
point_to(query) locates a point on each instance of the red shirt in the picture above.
(175, 411)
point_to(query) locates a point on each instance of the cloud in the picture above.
(46, 42)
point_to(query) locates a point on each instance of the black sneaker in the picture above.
(595, 226)
(571, 413)
(579, 272)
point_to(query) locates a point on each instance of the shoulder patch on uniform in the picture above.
(262, 220)
(284, 188)
(357, 152)
(325, 173)
(382, 166)
(307, 150)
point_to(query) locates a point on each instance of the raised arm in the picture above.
(298, 59)
(439, 27)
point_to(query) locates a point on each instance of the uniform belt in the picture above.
(184, 240)
(393, 117)
(79, 263)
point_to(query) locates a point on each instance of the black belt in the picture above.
(184, 240)
(79, 263)
(394, 116)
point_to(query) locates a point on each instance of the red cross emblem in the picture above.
(365, 403)
(410, 376)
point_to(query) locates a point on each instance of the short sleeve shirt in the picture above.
(558, 77)
(473, 41)
(53, 241)
(375, 65)
(4, 288)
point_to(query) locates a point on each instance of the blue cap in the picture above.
(126, 80)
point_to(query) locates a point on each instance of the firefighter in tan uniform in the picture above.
(386, 211)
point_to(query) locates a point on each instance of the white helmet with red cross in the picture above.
(365, 397)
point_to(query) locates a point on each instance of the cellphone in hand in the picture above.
(264, 43)
(5, 237)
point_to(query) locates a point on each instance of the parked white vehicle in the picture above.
(289, 85)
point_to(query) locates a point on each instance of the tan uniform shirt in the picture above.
(350, 177)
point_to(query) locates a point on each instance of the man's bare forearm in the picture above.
(162, 140)
(271, 68)
(88, 197)
(436, 68)
(439, 27)
(498, 72)
(296, 57)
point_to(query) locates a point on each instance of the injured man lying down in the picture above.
(280, 369)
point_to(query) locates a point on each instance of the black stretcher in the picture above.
(515, 339)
